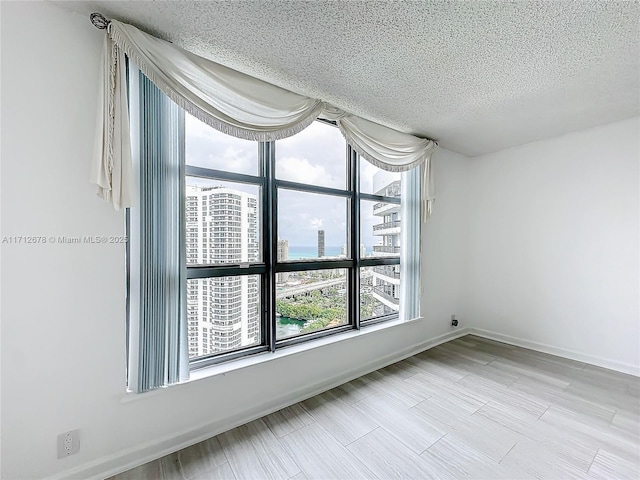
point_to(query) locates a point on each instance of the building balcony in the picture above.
(216, 328)
(387, 184)
(387, 299)
(387, 271)
(387, 228)
(386, 249)
(382, 208)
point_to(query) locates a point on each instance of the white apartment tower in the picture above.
(282, 256)
(221, 227)
(386, 278)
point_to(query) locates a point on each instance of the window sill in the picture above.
(250, 361)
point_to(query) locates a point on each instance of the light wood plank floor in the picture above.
(470, 408)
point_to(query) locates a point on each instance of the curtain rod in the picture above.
(98, 20)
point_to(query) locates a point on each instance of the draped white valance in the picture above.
(231, 102)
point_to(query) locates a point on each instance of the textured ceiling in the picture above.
(477, 76)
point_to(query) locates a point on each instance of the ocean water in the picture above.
(300, 252)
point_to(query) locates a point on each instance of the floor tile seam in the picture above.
(224, 453)
(524, 376)
(502, 424)
(460, 379)
(426, 449)
(593, 460)
(508, 452)
(545, 411)
(235, 474)
(363, 398)
(593, 432)
(520, 396)
(428, 398)
(295, 429)
(398, 403)
(507, 427)
(614, 416)
(284, 448)
(367, 416)
(345, 448)
(487, 403)
(598, 405)
(320, 408)
(518, 375)
(360, 438)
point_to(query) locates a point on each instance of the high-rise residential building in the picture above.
(283, 256)
(222, 227)
(386, 278)
(320, 243)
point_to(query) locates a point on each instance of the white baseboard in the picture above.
(560, 352)
(126, 460)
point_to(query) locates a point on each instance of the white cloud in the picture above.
(315, 156)
(296, 169)
(367, 171)
(206, 147)
(315, 223)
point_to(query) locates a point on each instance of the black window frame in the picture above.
(268, 267)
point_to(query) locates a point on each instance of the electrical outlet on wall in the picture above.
(68, 443)
(454, 321)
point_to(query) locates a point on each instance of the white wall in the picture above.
(63, 323)
(445, 241)
(553, 244)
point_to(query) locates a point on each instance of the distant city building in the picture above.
(363, 250)
(283, 256)
(221, 227)
(320, 243)
(386, 278)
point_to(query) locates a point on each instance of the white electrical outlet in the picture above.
(68, 443)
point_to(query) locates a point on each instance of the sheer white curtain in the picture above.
(112, 169)
(231, 102)
(393, 151)
(410, 243)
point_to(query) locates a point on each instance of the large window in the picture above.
(285, 241)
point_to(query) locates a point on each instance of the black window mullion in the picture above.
(270, 240)
(303, 187)
(266, 249)
(307, 265)
(208, 271)
(354, 273)
(380, 198)
(202, 172)
(202, 362)
(310, 336)
(372, 262)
